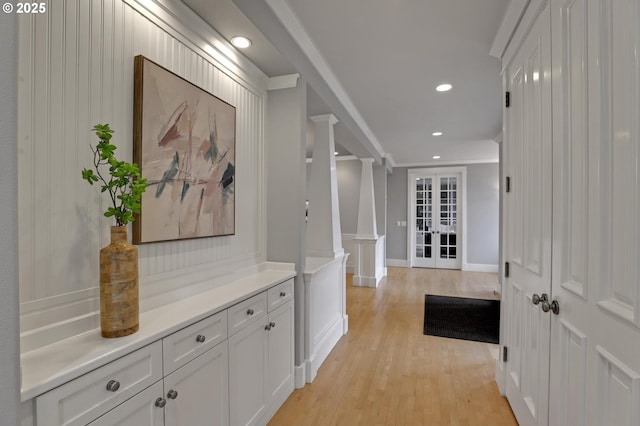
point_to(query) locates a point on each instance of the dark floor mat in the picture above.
(462, 318)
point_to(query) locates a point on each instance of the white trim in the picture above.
(398, 263)
(288, 81)
(300, 375)
(390, 160)
(531, 12)
(411, 176)
(501, 375)
(448, 163)
(338, 158)
(479, 267)
(507, 27)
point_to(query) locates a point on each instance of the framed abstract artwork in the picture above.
(184, 143)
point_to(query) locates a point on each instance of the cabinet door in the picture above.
(247, 374)
(137, 411)
(197, 393)
(280, 371)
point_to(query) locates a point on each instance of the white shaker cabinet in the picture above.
(137, 411)
(247, 374)
(261, 361)
(197, 393)
(232, 367)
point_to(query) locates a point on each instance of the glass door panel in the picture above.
(435, 225)
(424, 219)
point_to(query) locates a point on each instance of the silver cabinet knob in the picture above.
(554, 306)
(539, 299)
(283, 294)
(272, 324)
(161, 402)
(249, 311)
(200, 338)
(172, 394)
(113, 385)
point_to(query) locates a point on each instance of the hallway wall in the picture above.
(482, 214)
(75, 70)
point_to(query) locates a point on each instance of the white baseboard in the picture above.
(300, 375)
(501, 377)
(398, 263)
(479, 267)
(323, 348)
(371, 282)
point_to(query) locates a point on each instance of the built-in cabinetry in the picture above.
(232, 367)
(261, 359)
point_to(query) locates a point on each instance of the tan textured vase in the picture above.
(119, 286)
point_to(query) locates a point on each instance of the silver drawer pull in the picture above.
(161, 402)
(113, 385)
(249, 311)
(283, 294)
(172, 394)
(200, 338)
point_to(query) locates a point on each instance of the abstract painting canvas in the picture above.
(184, 144)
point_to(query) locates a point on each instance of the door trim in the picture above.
(411, 175)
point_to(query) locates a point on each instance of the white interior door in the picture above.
(528, 231)
(595, 362)
(435, 220)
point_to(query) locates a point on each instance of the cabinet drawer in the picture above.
(186, 344)
(84, 399)
(280, 294)
(247, 312)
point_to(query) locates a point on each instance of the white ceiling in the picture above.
(386, 57)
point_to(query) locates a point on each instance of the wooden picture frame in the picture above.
(184, 142)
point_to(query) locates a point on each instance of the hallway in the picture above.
(386, 372)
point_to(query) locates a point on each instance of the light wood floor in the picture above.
(386, 372)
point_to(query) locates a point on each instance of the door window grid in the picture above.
(424, 218)
(448, 217)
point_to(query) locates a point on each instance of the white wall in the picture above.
(9, 349)
(76, 69)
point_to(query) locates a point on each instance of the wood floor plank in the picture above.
(386, 372)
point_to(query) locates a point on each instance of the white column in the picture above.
(369, 247)
(367, 205)
(324, 237)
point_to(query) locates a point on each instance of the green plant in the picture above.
(125, 185)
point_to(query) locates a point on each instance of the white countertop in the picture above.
(50, 366)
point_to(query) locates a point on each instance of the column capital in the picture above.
(367, 160)
(287, 81)
(324, 117)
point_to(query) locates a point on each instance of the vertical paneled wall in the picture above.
(75, 70)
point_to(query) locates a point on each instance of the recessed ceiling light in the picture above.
(444, 87)
(335, 152)
(437, 133)
(241, 42)
(436, 157)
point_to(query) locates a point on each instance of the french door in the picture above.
(436, 215)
